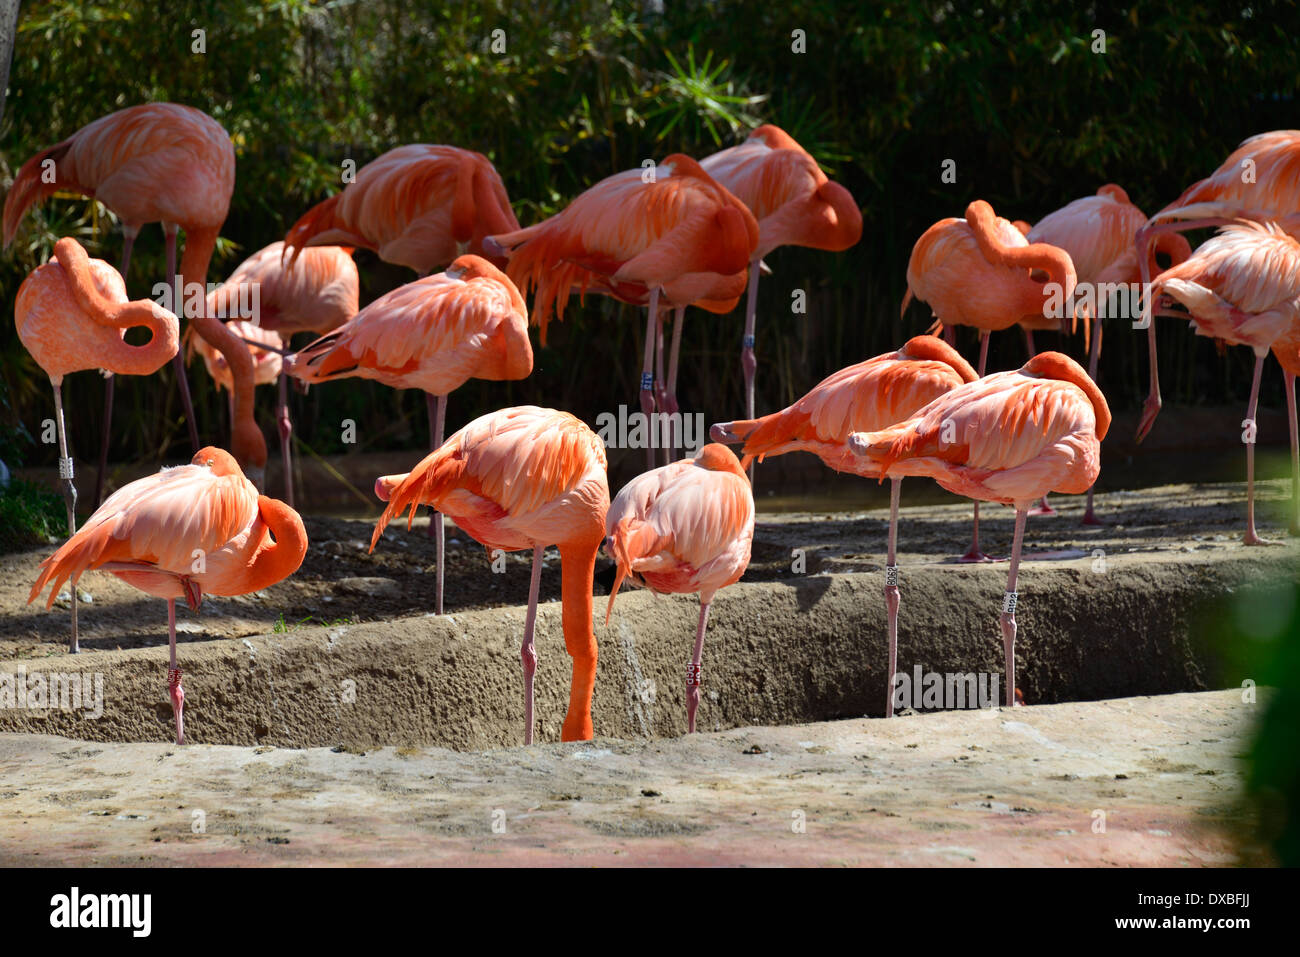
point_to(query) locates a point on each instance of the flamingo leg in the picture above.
(286, 430)
(437, 421)
(1094, 358)
(1029, 343)
(950, 335)
(527, 653)
(1251, 538)
(974, 555)
(178, 360)
(1295, 454)
(664, 440)
(1008, 620)
(69, 495)
(174, 689)
(748, 359)
(673, 406)
(891, 594)
(693, 670)
(647, 373)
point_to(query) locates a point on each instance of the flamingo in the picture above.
(669, 234)
(521, 478)
(419, 206)
(685, 527)
(795, 205)
(184, 532)
(433, 334)
(1009, 437)
(1260, 179)
(317, 294)
(866, 397)
(1099, 234)
(1242, 286)
(155, 162)
(72, 314)
(981, 271)
(263, 345)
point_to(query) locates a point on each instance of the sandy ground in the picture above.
(1128, 782)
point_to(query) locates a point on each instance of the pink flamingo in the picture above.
(1099, 234)
(318, 293)
(1260, 179)
(981, 271)
(795, 205)
(521, 478)
(670, 233)
(149, 163)
(433, 334)
(72, 314)
(185, 532)
(866, 397)
(1241, 286)
(1010, 437)
(685, 527)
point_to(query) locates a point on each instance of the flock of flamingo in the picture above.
(679, 233)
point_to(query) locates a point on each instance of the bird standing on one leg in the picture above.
(981, 271)
(1010, 437)
(185, 532)
(861, 398)
(157, 162)
(685, 527)
(72, 314)
(433, 334)
(524, 478)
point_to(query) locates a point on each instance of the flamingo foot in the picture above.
(1089, 518)
(975, 556)
(1252, 538)
(1043, 508)
(177, 694)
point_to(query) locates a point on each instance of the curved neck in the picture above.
(164, 330)
(280, 559)
(1050, 259)
(578, 567)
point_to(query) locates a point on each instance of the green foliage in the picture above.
(30, 515)
(1011, 90)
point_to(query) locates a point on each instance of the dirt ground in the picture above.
(340, 583)
(1121, 783)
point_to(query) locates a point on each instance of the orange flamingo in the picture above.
(433, 334)
(795, 205)
(981, 271)
(185, 532)
(1099, 234)
(155, 162)
(686, 527)
(418, 205)
(72, 314)
(1260, 179)
(521, 478)
(1010, 437)
(1241, 286)
(866, 397)
(317, 294)
(668, 234)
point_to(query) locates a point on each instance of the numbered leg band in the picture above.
(1009, 603)
(891, 576)
(647, 381)
(173, 677)
(694, 673)
(747, 342)
(65, 468)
